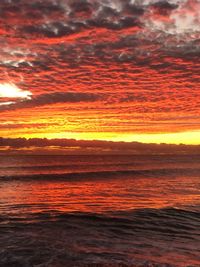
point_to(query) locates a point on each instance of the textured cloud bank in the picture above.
(106, 65)
(70, 145)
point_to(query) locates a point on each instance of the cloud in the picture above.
(107, 147)
(59, 18)
(186, 18)
(122, 58)
(52, 98)
(54, 29)
(181, 18)
(57, 22)
(12, 126)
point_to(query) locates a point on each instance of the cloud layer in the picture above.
(22, 145)
(99, 66)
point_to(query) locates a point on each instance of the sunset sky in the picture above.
(119, 70)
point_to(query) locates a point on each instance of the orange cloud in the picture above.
(99, 67)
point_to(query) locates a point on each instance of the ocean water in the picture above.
(100, 211)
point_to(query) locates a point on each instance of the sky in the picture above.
(115, 70)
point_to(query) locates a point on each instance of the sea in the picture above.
(99, 210)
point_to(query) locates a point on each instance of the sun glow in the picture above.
(10, 90)
(188, 138)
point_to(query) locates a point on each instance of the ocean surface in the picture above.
(58, 211)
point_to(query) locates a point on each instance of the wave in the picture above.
(110, 173)
(64, 165)
(180, 219)
(146, 237)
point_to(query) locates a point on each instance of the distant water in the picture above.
(99, 211)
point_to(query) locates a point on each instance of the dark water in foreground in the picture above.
(99, 211)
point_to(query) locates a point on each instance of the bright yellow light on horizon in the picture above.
(189, 138)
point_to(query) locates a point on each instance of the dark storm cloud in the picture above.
(50, 17)
(122, 23)
(43, 20)
(55, 29)
(76, 16)
(59, 18)
(164, 7)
